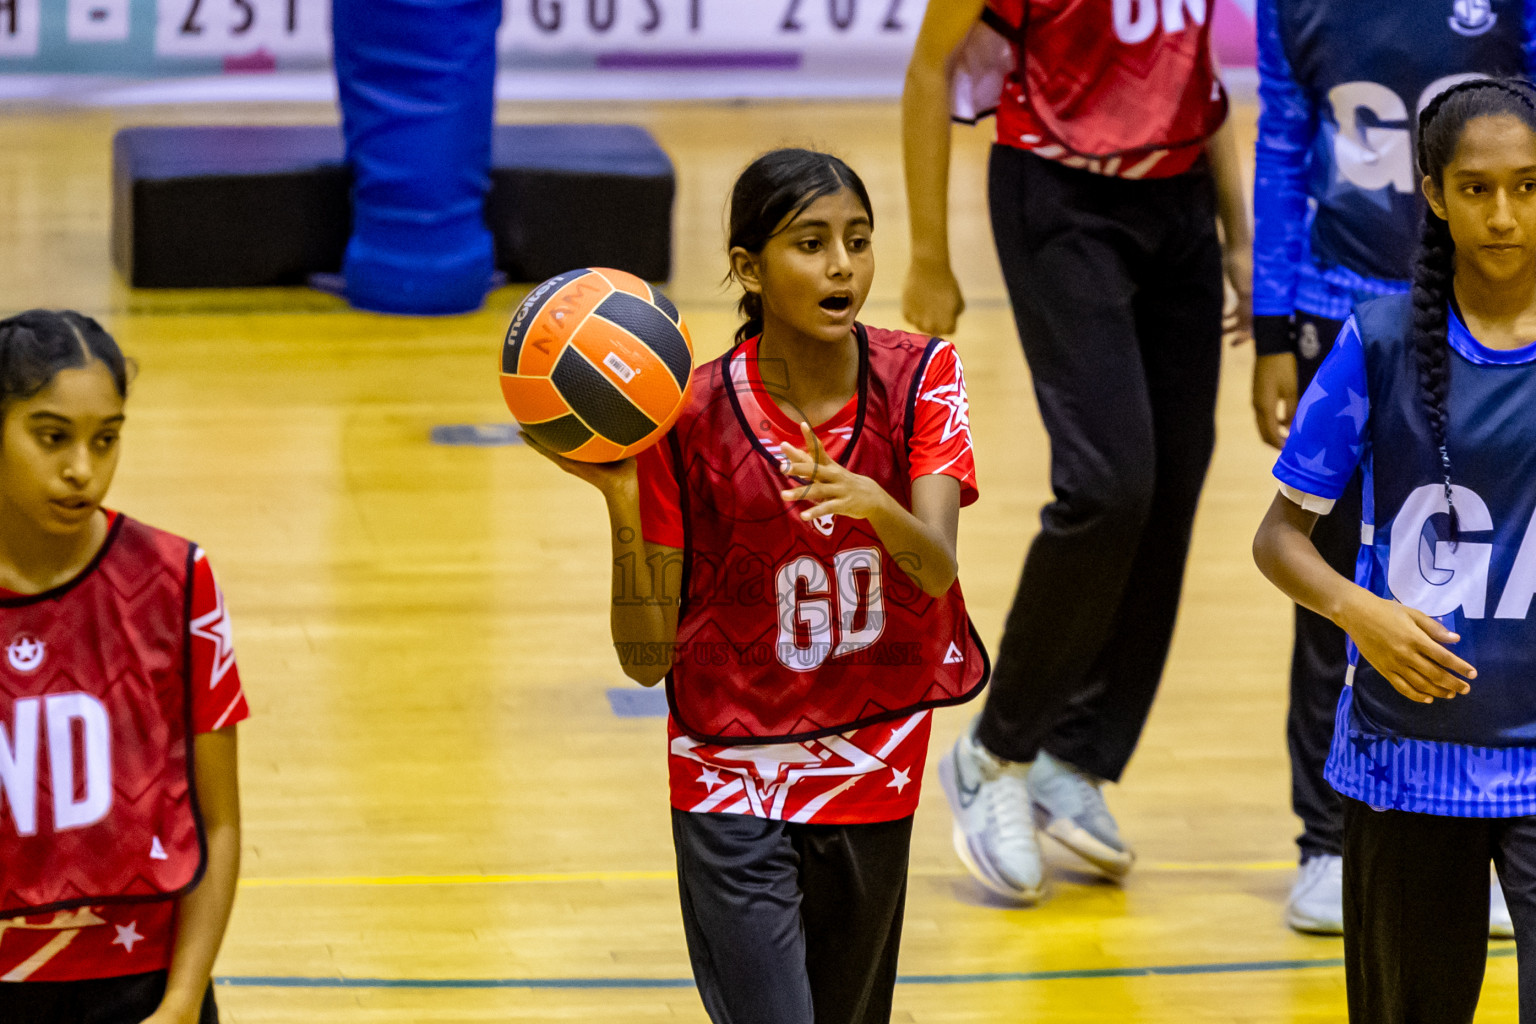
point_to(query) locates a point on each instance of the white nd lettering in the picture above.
(1136, 20)
(19, 760)
(806, 624)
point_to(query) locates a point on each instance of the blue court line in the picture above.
(1242, 967)
(630, 702)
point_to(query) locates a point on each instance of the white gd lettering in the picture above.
(1379, 156)
(858, 592)
(1136, 20)
(19, 760)
(860, 600)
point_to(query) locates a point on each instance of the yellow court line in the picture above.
(541, 877)
(555, 877)
(1218, 865)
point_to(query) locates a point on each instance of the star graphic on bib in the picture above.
(127, 935)
(710, 778)
(952, 397)
(900, 780)
(25, 653)
(215, 627)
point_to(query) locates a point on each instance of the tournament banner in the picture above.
(549, 49)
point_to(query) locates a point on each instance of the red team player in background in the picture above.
(119, 805)
(805, 507)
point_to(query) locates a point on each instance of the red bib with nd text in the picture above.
(96, 801)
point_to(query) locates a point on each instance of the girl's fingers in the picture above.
(809, 492)
(825, 508)
(1445, 664)
(794, 456)
(811, 443)
(1402, 686)
(815, 472)
(799, 463)
(1436, 629)
(800, 471)
(1430, 680)
(1412, 694)
(1436, 652)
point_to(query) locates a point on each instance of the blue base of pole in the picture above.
(416, 79)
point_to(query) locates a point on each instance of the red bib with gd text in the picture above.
(790, 629)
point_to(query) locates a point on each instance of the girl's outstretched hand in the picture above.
(605, 476)
(1407, 647)
(832, 490)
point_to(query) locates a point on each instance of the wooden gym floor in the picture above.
(444, 818)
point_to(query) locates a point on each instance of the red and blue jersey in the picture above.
(1474, 755)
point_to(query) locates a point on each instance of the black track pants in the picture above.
(792, 924)
(1116, 289)
(1416, 912)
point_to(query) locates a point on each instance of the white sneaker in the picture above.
(1500, 925)
(1316, 904)
(993, 834)
(1069, 807)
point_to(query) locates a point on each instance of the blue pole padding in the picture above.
(417, 87)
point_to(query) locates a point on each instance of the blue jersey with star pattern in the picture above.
(1475, 755)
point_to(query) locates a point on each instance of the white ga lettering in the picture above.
(1136, 20)
(859, 595)
(19, 759)
(1378, 156)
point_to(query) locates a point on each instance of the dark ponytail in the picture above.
(773, 190)
(37, 344)
(1441, 124)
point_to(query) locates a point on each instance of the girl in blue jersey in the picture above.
(1433, 398)
(1336, 210)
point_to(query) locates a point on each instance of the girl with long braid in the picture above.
(1432, 395)
(1336, 213)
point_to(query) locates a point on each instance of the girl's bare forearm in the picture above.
(203, 914)
(1284, 552)
(643, 611)
(925, 158)
(1231, 196)
(921, 549)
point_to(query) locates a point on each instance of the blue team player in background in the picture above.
(1431, 396)
(1336, 220)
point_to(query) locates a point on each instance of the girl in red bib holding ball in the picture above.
(800, 519)
(119, 810)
